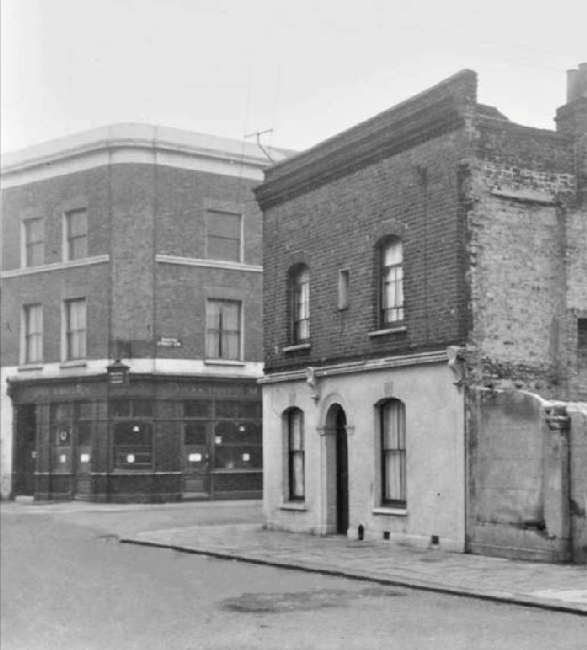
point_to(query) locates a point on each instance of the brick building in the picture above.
(131, 317)
(425, 310)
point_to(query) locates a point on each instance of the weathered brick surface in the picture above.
(338, 226)
(135, 211)
(526, 251)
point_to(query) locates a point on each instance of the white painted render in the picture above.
(435, 430)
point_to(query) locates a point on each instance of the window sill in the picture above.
(390, 512)
(224, 362)
(30, 368)
(73, 364)
(389, 330)
(292, 505)
(295, 348)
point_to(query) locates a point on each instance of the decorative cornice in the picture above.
(436, 111)
(211, 264)
(388, 363)
(57, 266)
(138, 143)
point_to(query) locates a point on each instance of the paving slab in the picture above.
(550, 586)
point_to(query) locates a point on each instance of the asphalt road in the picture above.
(67, 584)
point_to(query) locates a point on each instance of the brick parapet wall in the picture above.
(523, 228)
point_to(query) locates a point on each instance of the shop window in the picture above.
(32, 338)
(132, 444)
(300, 305)
(238, 445)
(132, 435)
(393, 453)
(223, 330)
(76, 235)
(71, 428)
(223, 236)
(391, 287)
(197, 409)
(296, 455)
(74, 335)
(33, 242)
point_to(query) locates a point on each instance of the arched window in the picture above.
(391, 283)
(392, 417)
(300, 305)
(296, 455)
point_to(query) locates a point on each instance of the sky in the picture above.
(302, 69)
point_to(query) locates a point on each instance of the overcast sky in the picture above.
(305, 68)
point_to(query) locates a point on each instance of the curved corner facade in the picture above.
(131, 328)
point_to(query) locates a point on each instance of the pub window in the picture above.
(238, 435)
(132, 433)
(296, 455)
(393, 453)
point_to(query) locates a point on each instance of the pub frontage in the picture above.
(137, 438)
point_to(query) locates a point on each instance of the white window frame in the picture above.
(65, 332)
(400, 450)
(24, 257)
(25, 356)
(241, 248)
(66, 235)
(390, 274)
(240, 306)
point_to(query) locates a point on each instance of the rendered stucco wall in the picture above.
(435, 455)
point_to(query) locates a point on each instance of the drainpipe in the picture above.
(557, 497)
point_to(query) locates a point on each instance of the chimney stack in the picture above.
(572, 117)
(577, 83)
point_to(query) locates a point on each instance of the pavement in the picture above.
(548, 586)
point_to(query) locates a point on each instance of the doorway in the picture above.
(25, 454)
(342, 474)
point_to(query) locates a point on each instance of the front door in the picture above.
(196, 460)
(25, 457)
(342, 476)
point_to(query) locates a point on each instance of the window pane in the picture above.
(132, 434)
(34, 242)
(197, 409)
(195, 433)
(76, 225)
(223, 249)
(297, 475)
(223, 336)
(393, 450)
(84, 434)
(120, 408)
(142, 407)
(75, 334)
(224, 224)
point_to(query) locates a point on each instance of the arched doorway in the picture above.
(342, 473)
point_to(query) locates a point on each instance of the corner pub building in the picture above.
(131, 317)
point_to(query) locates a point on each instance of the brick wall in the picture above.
(147, 210)
(337, 226)
(521, 188)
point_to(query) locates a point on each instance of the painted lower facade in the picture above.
(159, 437)
(341, 414)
